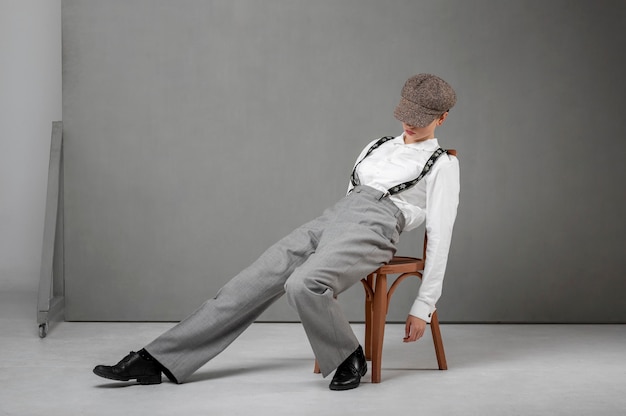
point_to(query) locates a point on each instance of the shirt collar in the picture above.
(429, 145)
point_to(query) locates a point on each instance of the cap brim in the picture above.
(414, 114)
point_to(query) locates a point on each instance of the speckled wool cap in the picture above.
(424, 98)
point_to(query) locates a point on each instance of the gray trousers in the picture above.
(312, 265)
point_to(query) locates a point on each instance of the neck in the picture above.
(411, 140)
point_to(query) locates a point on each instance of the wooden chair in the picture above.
(377, 299)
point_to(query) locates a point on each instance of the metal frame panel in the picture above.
(50, 301)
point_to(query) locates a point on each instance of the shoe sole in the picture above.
(346, 387)
(144, 380)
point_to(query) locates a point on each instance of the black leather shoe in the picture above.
(133, 366)
(349, 373)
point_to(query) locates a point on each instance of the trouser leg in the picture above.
(344, 256)
(219, 321)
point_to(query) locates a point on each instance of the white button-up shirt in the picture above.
(434, 199)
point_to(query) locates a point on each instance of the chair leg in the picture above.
(439, 351)
(316, 369)
(369, 305)
(378, 325)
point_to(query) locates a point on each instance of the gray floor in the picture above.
(494, 370)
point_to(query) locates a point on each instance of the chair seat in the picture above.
(402, 265)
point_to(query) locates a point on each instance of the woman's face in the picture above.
(413, 134)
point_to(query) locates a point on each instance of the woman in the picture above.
(397, 183)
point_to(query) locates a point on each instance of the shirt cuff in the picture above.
(422, 310)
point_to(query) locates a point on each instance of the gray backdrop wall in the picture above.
(30, 99)
(197, 133)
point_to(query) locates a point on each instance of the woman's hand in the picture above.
(414, 329)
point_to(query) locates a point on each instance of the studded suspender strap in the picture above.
(355, 178)
(403, 186)
(427, 167)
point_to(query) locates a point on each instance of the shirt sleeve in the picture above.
(442, 190)
(413, 215)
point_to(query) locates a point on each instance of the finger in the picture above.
(407, 333)
(410, 333)
(417, 333)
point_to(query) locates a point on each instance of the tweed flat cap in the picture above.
(424, 98)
